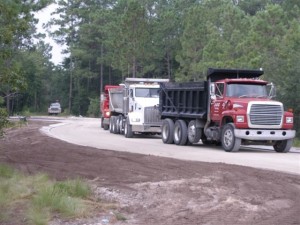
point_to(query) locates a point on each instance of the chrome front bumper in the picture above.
(146, 129)
(264, 135)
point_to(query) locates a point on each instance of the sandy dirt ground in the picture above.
(156, 190)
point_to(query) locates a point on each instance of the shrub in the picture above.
(94, 107)
(3, 120)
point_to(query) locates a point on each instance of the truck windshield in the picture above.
(246, 90)
(147, 92)
(55, 105)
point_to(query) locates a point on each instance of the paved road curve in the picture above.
(87, 132)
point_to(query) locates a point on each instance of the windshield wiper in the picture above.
(261, 96)
(244, 96)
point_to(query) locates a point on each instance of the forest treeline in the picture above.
(108, 40)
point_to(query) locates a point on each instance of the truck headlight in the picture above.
(240, 119)
(289, 120)
(135, 119)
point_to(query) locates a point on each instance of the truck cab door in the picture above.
(131, 100)
(217, 102)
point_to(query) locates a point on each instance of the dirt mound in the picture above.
(156, 190)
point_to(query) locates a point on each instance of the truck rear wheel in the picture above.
(230, 143)
(111, 124)
(114, 124)
(180, 132)
(105, 126)
(167, 131)
(194, 134)
(102, 125)
(119, 124)
(283, 146)
(128, 129)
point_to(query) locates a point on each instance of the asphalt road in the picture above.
(87, 132)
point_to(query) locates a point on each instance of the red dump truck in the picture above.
(233, 107)
(104, 107)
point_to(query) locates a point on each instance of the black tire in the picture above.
(105, 126)
(115, 125)
(167, 131)
(230, 143)
(128, 129)
(119, 124)
(283, 146)
(111, 124)
(194, 134)
(102, 125)
(180, 132)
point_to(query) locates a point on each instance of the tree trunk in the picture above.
(71, 86)
(35, 101)
(109, 74)
(101, 70)
(134, 67)
(8, 103)
(169, 66)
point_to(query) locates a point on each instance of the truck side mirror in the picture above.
(102, 97)
(212, 89)
(272, 90)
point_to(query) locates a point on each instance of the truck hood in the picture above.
(243, 102)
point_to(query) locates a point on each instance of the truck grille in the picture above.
(266, 114)
(152, 116)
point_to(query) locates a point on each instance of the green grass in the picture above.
(296, 142)
(14, 124)
(42, 197)
(63, 197)
(120, 217)
(6, 171)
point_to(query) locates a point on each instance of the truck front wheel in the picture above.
(167, 131)
(128, 129)
(230, 143)
(283, 146)
(180, 132)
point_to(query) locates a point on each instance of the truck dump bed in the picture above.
(116, 96)
(183, 100)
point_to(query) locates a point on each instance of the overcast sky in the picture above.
(44, 16)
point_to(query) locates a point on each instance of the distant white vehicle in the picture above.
(54, 109)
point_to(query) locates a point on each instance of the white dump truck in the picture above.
(54, 108)
(134, 107)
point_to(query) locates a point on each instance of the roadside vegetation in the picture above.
(37, 199)
(178, 40)
(3, 117)
(296, 142)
